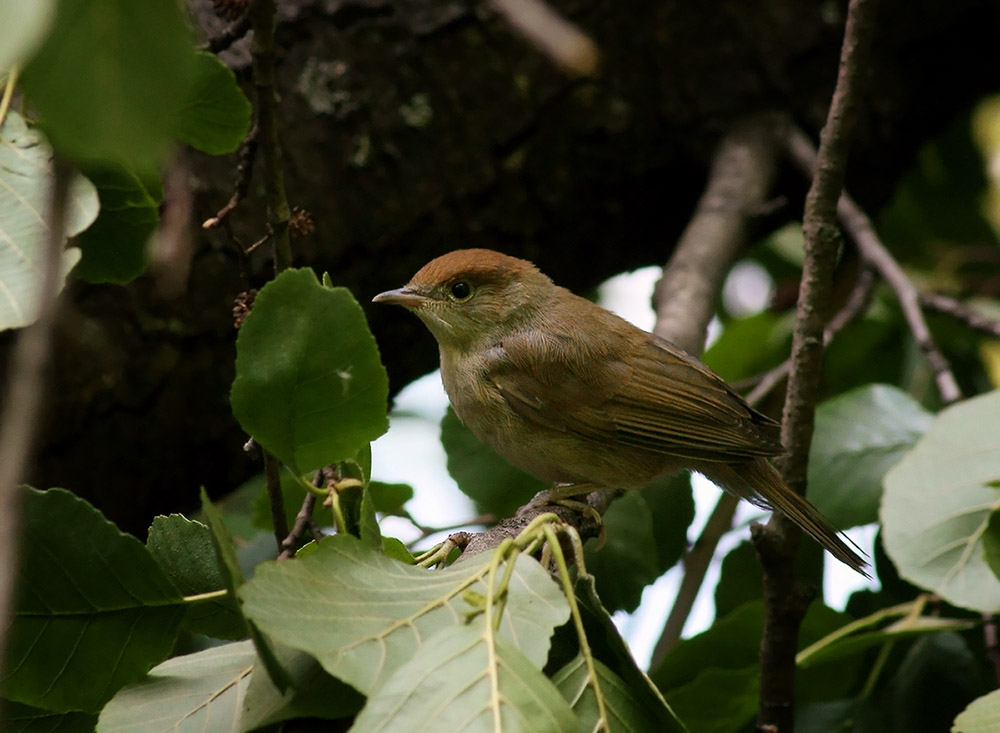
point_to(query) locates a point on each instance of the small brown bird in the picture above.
(571, 393)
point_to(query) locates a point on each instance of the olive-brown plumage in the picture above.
(571, 393)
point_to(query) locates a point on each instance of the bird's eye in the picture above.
(460, 290)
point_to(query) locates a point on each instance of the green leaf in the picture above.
(646, 533)
(991, 543)
(390, 498)
(733, 643)
(114, 247)
(93, 611)
(184, 550)
(981, 716)
(901, 629)
(610, 649)
(730, 358)
(739, 580)
(110, 79)
(197, 692)
(312, 694)
(858, 437)
(717, 700)
(469, 679)
(938, 502)
(626, 712)
(233, 575)
(216, 116)
(309, 384)
(25, 181)
(26, 719)
(936, 679)
(362, 614)
(494, 485)
(22, 28)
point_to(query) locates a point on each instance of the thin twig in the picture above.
(785, 600)
(275, 498)
(853, 307)
(962, 311)
(20, 421)
(263, 49)
(244, 173)
(862, 232)
(303, 520)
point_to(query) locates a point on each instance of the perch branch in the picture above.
(862, 232)
(23, 400)
(785, 600)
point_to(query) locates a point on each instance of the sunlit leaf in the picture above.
(938, 502)
(25, 182)
(362, 614)
(467, 678)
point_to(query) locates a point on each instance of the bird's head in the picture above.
(472, 295)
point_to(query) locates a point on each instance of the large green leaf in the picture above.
(216, 116)
(982, 715)
(26, 719)
(22, 28)
(494, 485)
(859, 436)
(729, 356)
(733, 643)
(226, 688)
(467, 678)
(362, 615)
(110, 79)
(232, 574)
(309, 384)
(739, 580)
(25, 181)
(93, 612)
(185, 552)
(645, 534)
(115, 246)
(197, 692)
(938, 501)
(717, 700)
(626, 712)
(312, 694)
(610, 649)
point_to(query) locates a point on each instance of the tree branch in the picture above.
(737, 188)
(862, 232)
(784, 598)
(23, 400)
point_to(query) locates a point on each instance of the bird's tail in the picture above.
(760, 483)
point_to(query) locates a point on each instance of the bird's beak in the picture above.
(403, 296)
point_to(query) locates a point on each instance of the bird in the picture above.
(572, 394)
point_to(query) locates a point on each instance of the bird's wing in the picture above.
(644, 393)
